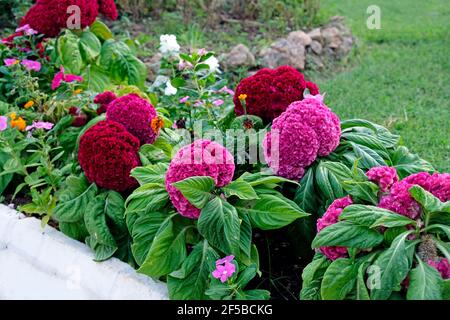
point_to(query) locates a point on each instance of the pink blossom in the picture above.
(202, 52)
(331, 216)
(31, 65)
(198, 103)
(224, 269)
(227, 90)
(441, 265)
(218, 102)
(384, 176)
(184, 100)
(40, 125)
(3, 123)
(27, 30)
(10, 62)
(61, 76)
(317, 97)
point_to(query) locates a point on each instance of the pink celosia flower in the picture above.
(218, 102)
(31, 65)
(224, 269)
(384, 176)
(400, 201)
(201, 158)
(184, 99)
(441, 265)
(40, 125)
(331, 216)
(27, 30)
(3, 123)
(61, 76)
(227, 90)
(10, 62)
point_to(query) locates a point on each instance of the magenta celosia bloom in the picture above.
(10, 62)
(61, 76)
(136, 114)
(224, 269)
(331, 216)
(383, 176)
(400, 201)
(40, 125)
(306, 130)
(201, 158)
(31, 65)
(104, 99)
(441, 265)
(3, 123)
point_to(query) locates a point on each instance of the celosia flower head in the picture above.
(136, 114)
(104, 99)
(224, 269)
(384, 176)
(107, 154)
(331, 216)
(201, 158)
(442, 266)
(270, 91)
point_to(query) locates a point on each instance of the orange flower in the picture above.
(29, 104)
(242, 97)
(157, 124)
(19, 122)
(78, 91)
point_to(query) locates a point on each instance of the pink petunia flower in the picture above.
(61, 76)
(40, 125)
(184, 100)
(27, 30)
(198, 103)
(202, 52)
(3, 123)
(10, 62)
(224, 269)
(31, 65)
(218, 102)
(227, 90)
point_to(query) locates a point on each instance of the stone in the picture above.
(299, 37)
(315, 34)
(314, 62)
(153, 65)
(332, 37)
(284, 52)
(316, 47)
(239, 56)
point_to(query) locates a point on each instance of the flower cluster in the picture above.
(269, 92)
(306, 130)
(49, 17)
(224, 269)
(135, 114)
(30, 65)
(400, 201)
(441, 265)
(384, 176)
(201, 158)
(331, 216)
(103, 100)
(61, 76)
(107, 153)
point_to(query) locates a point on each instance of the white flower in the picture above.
(213, 64)
(170, 89)
(168, 44)
(159, 81)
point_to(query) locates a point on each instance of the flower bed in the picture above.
(220, 194)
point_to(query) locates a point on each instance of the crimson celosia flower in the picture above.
(104, 99)
(136, 114)
(49, 17)
(306, 130)
(79, 118)
(384, 176)
(201, 158)
(331, 216)
(441, 265)
(269, 92)
(107, 154)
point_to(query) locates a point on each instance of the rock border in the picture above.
(37, 263)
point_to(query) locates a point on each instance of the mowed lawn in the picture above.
(401, 76)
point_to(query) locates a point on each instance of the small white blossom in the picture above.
(169, 44)
(213, 64)
(159, 81)
(170, 89)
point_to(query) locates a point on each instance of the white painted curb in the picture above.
(38, 263)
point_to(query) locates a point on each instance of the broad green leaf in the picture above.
(306, 196)
(361, 291)
(255, 294)
(327, 183)
(446, 289)
(115, 210)
(346, 234)
(241, 189)
(148, 198)
(74, 230)
(339, 279)
(371, 216)
(368, 158)
(101, 30)
(352, 123)
(444, 247)
(444, 228)
(366, 140)
(219, 224)
(407, 163)
(167, 252)
(429, 202)
(258, 179)
(365, 191)
(154, 173)
(102, 252)
(72, 209)
(246, 276)
(312, 278)
(69, 52)
(126, 68)
(191, 281)
(90, 46)
(95, 78)
(425, 283)
(394, 264)
(245, 239)
(197, 190)
(271, 212)
(95, 221)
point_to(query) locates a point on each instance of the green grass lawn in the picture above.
(402, 76)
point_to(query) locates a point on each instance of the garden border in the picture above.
(37, 263)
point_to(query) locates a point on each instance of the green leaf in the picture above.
(73, 206)
(101, 30)
(255, 294)
(428, 201)
(245, 239)
(69, 52)
(219, 224)
(271, 212)
(339, 279)
(327, 183)
(197, 190)
(90, 46)
(407, 163)
(361, 291)
(167, 252)
(96, 79)
(129, 69)
(74, 230)
(148, 198)
(154, 173)
(442, 227)
(368, 158)
(306, 196)
(446, 289)
(365, 191)
(102, 252)
(259, 179)
(312, 278)
(366, 140)
(425, 283)
(394, 264)
(115, 210)
(371, 216)
(191, 281)
(345, 234)
(241, 189)
(246, 276)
